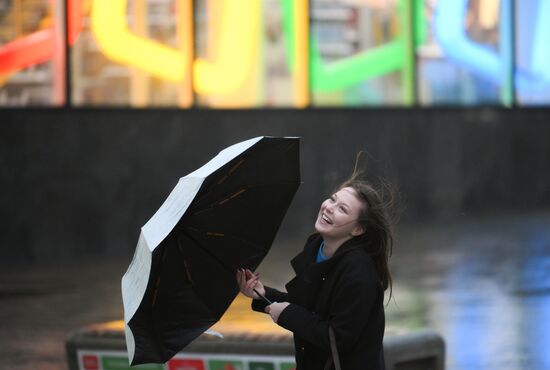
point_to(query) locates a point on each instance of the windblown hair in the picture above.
(377, 217)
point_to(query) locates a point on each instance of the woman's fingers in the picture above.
(242, 280)
(248, 282)
(250, 274)
(251, 284)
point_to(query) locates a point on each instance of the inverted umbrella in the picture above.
(217, 219)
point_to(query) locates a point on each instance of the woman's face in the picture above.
(338, 215)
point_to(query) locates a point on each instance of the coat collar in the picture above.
(308, 255)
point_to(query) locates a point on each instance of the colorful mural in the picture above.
(262, 53)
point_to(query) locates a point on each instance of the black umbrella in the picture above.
(220, 218)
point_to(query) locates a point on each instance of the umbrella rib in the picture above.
(224, 234)
(154, 301)
(230, 269)
(195, 240)
(234, 195)
(224, 177)
(157, 283)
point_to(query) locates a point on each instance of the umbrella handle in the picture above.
(262, 297)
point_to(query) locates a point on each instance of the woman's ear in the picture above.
(358, 230)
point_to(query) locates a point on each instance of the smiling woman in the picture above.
(335, 303)
(338, 219)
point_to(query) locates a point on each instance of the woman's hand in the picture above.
(275, 309)
(248, 281)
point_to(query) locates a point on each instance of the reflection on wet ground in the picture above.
(483, 284)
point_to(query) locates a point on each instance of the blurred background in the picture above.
(273, 53)
(105, 104)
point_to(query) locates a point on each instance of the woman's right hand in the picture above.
(248, 281)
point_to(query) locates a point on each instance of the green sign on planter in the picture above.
(225, 365)
(288, 366)
(261, 366)
(121, 363)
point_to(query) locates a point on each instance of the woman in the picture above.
(341, 276)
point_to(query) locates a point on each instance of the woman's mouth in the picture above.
(326, 219)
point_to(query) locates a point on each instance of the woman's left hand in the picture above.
(275, 309)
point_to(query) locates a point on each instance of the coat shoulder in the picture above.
(358, 264)
(313, 239)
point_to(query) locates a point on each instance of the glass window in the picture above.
(282, 81)
(460, 61)
(532, 72)
(357, 54)
(134, 52)
(242, 57)
(227, 70)
(32, 55)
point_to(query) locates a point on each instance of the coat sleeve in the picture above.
(349, 313)
(273, 295)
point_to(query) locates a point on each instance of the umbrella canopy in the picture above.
(219, 218)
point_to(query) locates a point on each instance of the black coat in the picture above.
(343, 292)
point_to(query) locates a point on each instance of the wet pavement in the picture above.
(41, 306)
(483, 284)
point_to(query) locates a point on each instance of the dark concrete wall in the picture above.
(82, 182)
